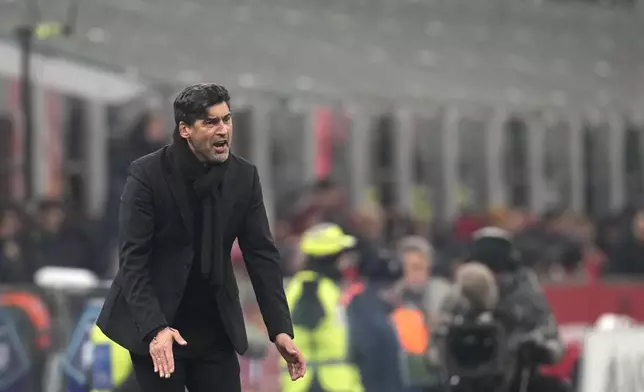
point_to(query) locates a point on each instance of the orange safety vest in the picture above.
(413, 332)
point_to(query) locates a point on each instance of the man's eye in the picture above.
(227, 118)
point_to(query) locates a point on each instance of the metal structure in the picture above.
(25, 34)
(484, 103)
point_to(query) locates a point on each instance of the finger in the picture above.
(291, 349)
(159, 363)
(155, 361)
(158, 360)
(169, 358)
(295, 371)
(178, 338)
(302, 367)
(164, 371)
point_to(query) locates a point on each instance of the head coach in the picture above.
(174, 302)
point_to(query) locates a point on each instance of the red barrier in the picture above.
(578, 306)
(585, 303)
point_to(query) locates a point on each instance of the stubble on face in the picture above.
(211, 138)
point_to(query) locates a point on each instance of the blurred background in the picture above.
(390, 118)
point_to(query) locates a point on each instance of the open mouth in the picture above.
(220, 143)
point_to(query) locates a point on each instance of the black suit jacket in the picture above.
(156, 253)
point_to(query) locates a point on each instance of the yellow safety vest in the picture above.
(120, 363)
(325, 348)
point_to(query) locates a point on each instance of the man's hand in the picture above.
(292, 356)
(161, 351)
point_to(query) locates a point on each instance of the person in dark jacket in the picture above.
(526, 315)
(374, 342)
(62, 241)
(628, 257)
(374, 345)
(15, 266)
(174, 303)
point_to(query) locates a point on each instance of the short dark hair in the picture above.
(193, 102)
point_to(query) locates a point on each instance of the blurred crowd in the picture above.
(59, 233)
(47, 235)
(562, 246)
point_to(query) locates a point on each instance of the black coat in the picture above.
(156, 253)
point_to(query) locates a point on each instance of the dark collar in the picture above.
(191, 168)
(178, 187)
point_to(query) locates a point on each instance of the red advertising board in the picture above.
(585, 303)
(577, 307)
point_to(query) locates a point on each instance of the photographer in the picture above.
(466, 338)
(527, 334)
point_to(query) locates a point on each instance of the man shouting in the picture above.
(174, 303)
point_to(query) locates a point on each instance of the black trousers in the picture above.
(218, 373)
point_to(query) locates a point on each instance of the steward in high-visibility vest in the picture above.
(111, 363)
(315, 299)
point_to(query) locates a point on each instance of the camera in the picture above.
(475, 356)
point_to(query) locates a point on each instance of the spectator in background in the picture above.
(331, 200)
(609, 234)
(14, 263)
(417, 286)
(466, 224)
(60, 241)
(414, 301)
(580, 258)
(287, 244)
(448, 261)
(549, 243)
(374, 344)
(511, 220)
(391, 318)
(368, 226)
(628, 258)
(398, 225)
(145, 135)
(324, 202)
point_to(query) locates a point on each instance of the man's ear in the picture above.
(184, 130)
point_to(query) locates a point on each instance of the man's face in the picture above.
(210, 138)
(415, 268)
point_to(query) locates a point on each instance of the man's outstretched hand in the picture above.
(292, 356)
(161, 351)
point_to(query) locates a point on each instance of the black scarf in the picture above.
(206, 180)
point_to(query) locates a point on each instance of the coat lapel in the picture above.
(228, 193)
(180, 194)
